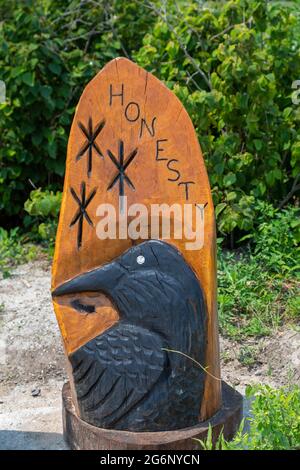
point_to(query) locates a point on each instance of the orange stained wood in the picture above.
(124, 103)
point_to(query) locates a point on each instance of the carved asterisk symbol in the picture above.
(81, 212)
(122, 167)
(90, 144)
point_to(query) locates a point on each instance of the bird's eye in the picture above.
(81, 307)
(140, 259)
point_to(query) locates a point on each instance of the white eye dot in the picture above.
(140, 259)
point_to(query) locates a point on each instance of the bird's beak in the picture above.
(101, 279)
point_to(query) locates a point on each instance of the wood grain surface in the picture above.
(81, 435)
(126, 109)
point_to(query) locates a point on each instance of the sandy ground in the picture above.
(32, 361)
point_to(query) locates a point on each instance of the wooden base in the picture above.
(80, 435)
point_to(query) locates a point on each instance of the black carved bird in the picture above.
(126, 378)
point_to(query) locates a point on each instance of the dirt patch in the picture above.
(31, 358)
(31, 422)
(274, 360)
(31, 347)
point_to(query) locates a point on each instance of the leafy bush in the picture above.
(292, 308)
(274, 425)
(251, 300)
(49, 50)
(259, 286)
(232, 64)
(277, 239)
(43, 207)
(14, 249)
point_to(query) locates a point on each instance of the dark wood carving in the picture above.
(122, 167)
(90, 134)
(126, 378)
(81, 435)
(81, 213)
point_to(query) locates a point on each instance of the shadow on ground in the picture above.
(19, 440)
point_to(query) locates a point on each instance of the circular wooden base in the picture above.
(82, 436)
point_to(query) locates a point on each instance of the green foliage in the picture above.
(221, 443)
(49, 50)
(14, 249)
(251, 301)
(232, 64)
(292, 308)
(43, 207)
(43, 203)
(274, 425)
(247, 355)
(258, 290)
(277, 239)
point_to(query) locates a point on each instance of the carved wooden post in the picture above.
(138, 316)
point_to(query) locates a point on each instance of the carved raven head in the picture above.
(150, 284)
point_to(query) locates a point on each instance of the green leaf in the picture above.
(229, 179)
(231, 196)
(28, 78)
(52, 148)
(220, 207)
(258, 144)
(37, 139)
(55, 68)
(219, 168)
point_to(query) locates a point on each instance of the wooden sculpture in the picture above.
(137, 315)
(125, 378)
